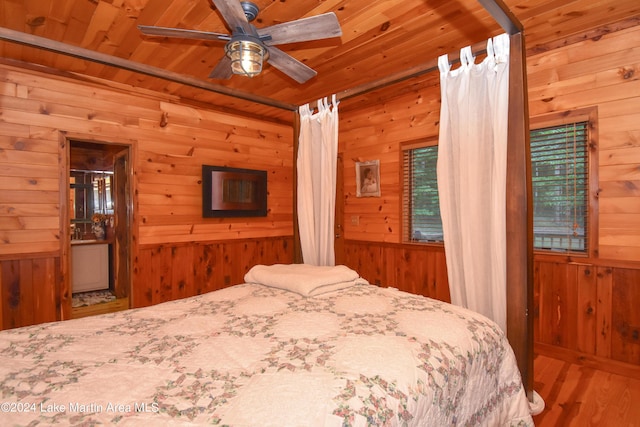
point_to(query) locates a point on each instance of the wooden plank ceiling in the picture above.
(379, 38)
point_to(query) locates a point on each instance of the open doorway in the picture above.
(99, 182)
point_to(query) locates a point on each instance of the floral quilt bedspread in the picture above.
(252, 355)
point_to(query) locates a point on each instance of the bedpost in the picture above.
(297, 247)
(519, 218)
(519, 199)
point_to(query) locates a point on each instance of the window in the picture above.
(560, 180)
(421, 207)
(562, 167)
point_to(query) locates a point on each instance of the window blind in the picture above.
(559, 161)
(421, 206)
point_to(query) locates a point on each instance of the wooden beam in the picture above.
(125, 64)
(419, 70)
(503, 16)
(496, 8)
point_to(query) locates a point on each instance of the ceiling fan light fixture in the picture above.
(246, 57)
(247, 47)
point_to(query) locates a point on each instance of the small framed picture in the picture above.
(368, 179)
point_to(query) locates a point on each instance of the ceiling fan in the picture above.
(247, 46)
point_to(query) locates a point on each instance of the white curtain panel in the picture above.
(316, 168)
(472, 156)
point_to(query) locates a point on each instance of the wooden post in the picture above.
(519, 204)
(519, 217)
(297, 247)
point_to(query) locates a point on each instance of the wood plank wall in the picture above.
(169, 142)
(596, 296)
(585, 308)
(603, 72)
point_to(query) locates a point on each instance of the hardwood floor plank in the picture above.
(578, 396)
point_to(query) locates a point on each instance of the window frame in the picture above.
(404, 215)
(588, 115)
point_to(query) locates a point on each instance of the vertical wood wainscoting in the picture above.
(588, 314)
(30, 288)
(583, 313)
(168, 272)
(419, 269)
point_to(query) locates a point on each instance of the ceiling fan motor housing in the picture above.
(250, 10)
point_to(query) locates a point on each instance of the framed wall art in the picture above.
(233, 192)
(368, 179)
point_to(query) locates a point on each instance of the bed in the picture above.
(293, 346)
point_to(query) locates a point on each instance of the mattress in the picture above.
(267, 355)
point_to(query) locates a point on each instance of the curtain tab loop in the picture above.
(490, 51)
(304, 110)
(443, 64)
(466, 56)
(501, 48)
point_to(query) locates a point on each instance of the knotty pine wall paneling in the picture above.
(598, 302)
(602, 72)
(376, 131)
(169, 143)
(585, 308)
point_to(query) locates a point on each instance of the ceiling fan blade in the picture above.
(222, 70)
(289, 65)
(232, 12)
(312, 28)
(181, 33)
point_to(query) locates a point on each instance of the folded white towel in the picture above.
(304, 279)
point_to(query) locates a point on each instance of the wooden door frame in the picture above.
(65, 138)
(126, 241)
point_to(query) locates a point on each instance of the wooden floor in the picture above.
(577, 395)
(103, 308)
